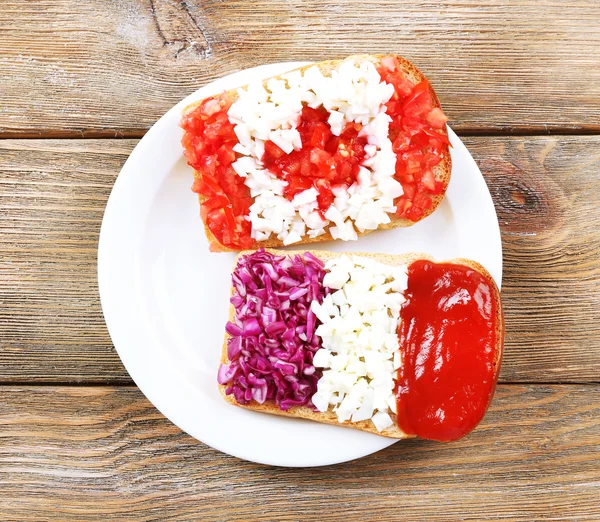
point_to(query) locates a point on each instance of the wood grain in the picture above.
(52, 196)
(547, 196)
(92, 453)
(112, 67)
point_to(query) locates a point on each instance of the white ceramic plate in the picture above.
(165, 296)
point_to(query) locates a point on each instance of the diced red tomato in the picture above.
(409, 191)
(401, 143)
(216, 202)
(437, 119)
(413, 164)
(325, 197)
(403, 204)
(390, 72)
(418, 139)
(321, 135)
(207, 186)
(390, 63)
(210, 107)
(423, 201)
(428, 180)
(344, 170)
(273, 150)
(295, 185)
(439, 188)
(419, 101)
(435, 138)
(310, 115)
(226, 155)
(323, 158)
(414, 213)
(208, 141)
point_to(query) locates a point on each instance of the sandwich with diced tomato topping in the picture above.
(398, 345)
(327, 151)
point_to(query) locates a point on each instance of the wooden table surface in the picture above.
(83, 80)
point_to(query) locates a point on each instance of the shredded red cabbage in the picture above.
(272, 342)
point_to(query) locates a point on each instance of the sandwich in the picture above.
(328, 151)
(397, 345)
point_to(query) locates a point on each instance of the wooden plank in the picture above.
(547, 196)
(112, 67)
(52, 196)
(90, 453)
(52, 199)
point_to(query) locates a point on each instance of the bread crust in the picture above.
(442, 171)
(330, 417)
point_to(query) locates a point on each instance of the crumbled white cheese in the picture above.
(382, 420)
(360, 349)
(353, 93)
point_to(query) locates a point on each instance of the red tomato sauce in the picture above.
(450, 362)
(325, 161)
(208, 142)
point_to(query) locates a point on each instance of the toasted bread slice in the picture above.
(330, 417)
(442, 171)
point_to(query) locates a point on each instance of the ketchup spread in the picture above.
(448, 344)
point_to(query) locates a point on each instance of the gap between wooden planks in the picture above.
(52, 197)
(88, 66)
(97, 453)
(139, 134)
